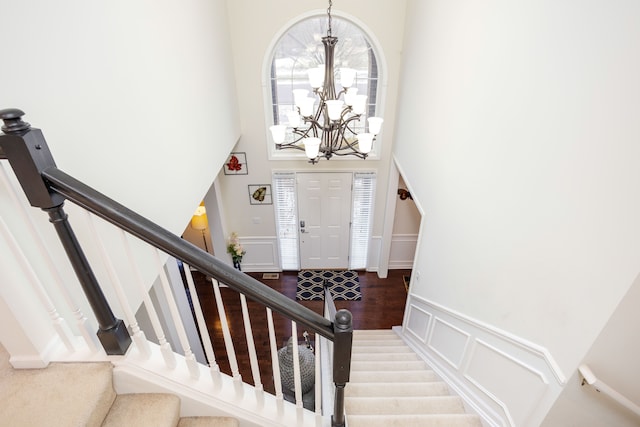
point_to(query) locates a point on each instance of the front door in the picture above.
(324, 215)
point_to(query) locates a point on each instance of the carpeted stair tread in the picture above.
(377, 343)
(208, 422)
(31, 397)
(374, 332)
(404, 405)
(386, 365)
(442, 420)
(144, 410)
(384, 349)
(372, 357)
(396, 376)
(377, 337)
(435, 388)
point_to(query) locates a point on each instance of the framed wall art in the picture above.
(236, 164)
(260, 194)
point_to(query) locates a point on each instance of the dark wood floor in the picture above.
(381, 307)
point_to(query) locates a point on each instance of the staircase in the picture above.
(392, 387)
(82, 394)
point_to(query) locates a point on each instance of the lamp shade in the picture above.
(365, 142)
(375, 124)
(306, 106)
(334, 108)
(312, 147)
(294, 118)
(347, 75)
(359, 104)
(199, 220)
(316, 76)
(350, 95)
(278, 133)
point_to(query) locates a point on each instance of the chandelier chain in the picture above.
(329, 15)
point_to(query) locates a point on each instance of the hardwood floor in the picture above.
(381, 307)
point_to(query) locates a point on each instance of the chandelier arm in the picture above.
(289, 145)
(351, 153)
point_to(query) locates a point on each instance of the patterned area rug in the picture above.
(343, 284)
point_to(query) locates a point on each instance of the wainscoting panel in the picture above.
(418, 323)
(509, 381)
(261, 254)
(448, 342)
(403, 249)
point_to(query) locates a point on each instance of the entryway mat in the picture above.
(343, 284)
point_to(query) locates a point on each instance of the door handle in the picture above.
(302, 224)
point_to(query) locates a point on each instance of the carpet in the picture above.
(343, 284)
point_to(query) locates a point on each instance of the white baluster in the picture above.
(190, 358)
(318, 384)
(58, 322)
(251, 347)
(297, 376)
(138, 336)
(202, 325)
(228, 341)
(165, 347)
(277, 382)
(84, 326)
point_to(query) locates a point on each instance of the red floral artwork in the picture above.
(234, 164)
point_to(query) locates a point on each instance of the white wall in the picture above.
(404, 238)
(135, 99)
(517, 130)
(613, 358)
(255, 26)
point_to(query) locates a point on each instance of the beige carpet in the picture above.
(392, 387)
(82, 395)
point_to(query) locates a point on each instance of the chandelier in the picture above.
(329, 128)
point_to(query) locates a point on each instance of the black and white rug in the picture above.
(343, 284)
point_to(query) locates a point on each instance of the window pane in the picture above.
(364, 185)
(284, 197)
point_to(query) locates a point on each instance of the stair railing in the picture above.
(589, 378)
(48, 187)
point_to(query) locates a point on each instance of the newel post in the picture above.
(343, 330)
(29, 155)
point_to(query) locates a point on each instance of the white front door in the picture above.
(324, 214)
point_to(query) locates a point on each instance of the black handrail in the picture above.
(146, 230)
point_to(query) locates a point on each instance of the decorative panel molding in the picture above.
(261, 254)
(506, 379)
(403, 249)
(448, 342)
(418, 322)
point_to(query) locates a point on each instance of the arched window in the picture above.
(300, 48)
